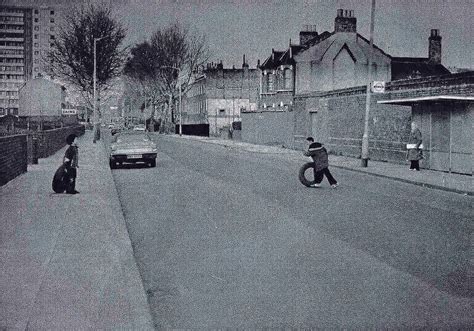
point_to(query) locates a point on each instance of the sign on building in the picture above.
(378, 87)
(66, 111)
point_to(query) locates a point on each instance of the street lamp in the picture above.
(96, 119)
(365, 137)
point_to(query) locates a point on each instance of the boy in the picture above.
(71, 160)
(319, 155)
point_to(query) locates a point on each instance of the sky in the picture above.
(254, 27)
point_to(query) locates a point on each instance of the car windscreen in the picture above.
(130, 138)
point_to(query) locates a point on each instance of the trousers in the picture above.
(319, 175)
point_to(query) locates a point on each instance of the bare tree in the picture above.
(71, 58)
(170, 58)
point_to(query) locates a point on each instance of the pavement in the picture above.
(452, 182)
(67, 260)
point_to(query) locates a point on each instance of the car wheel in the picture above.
(153, 163)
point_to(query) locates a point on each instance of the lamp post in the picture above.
(95, 98)
(365, 137)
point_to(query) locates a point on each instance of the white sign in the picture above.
(378, 87)
(69, 111)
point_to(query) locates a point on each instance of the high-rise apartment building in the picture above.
(26, 36)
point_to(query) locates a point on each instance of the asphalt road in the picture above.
(226, 238)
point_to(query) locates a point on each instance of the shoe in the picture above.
(334, 185)
(73, 192)
(315, 185)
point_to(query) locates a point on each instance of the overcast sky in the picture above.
(254, 27)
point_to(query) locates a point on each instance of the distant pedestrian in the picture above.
(71, 160)
(320, 158)
(414, 148)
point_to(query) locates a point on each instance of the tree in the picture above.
(172, 53)
(71, 58)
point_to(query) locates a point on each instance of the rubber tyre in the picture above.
(153, 163)
(301, 174)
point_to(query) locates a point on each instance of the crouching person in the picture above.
(320, 158)
(71, 160)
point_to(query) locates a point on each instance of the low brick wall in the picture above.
(13, 157)
(17, 151)
(50, 141)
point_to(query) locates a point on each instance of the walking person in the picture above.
(320, 158)
(414, 148)
(71, 160)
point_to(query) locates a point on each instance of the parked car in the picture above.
(132, 147)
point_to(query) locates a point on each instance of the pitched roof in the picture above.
(413, 67)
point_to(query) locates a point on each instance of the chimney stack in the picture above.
(434, 48)
(345, 21)
(308, 33)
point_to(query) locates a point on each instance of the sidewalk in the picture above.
(67, 260)
(462, 184)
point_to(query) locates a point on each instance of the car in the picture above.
(132, 147)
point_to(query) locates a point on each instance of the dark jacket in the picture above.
(319, 155)
(415, 154)
(72, 154)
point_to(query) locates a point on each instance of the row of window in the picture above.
(5, 85)
(12, 52)
(12, 68)
(11, 27)
(11, 43)
(11, 35)
(11, 11)
(11, 19)
(37, 45)
(8, 93)
(51, 36)
(51, 12)
(11, 76)
(51, 20)
(8, 102)
(6, 60)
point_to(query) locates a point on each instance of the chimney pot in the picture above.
(345, 21)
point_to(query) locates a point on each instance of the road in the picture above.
(226, 238)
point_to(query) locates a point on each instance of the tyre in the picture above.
(301, 175)
(153, 163)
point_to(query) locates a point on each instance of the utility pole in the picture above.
(365, 137)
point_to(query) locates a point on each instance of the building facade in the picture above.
(26, 35)
(218, 95)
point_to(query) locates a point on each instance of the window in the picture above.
(52, 37)
(36, 11)
(51, 28)
(221, 112)
(36, 36)
(287, 77)
(37, 52)
(36, 45)
(37, 28)
(36, 19)
(270, 81)
(51, 20)
(52, 12)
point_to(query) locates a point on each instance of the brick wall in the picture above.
(50, 141)
(269, 128)
(13, 157)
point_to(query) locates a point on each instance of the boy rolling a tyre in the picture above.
(320, 158)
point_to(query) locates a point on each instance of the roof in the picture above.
(329, 48)
(437, 98)
(410, 67)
